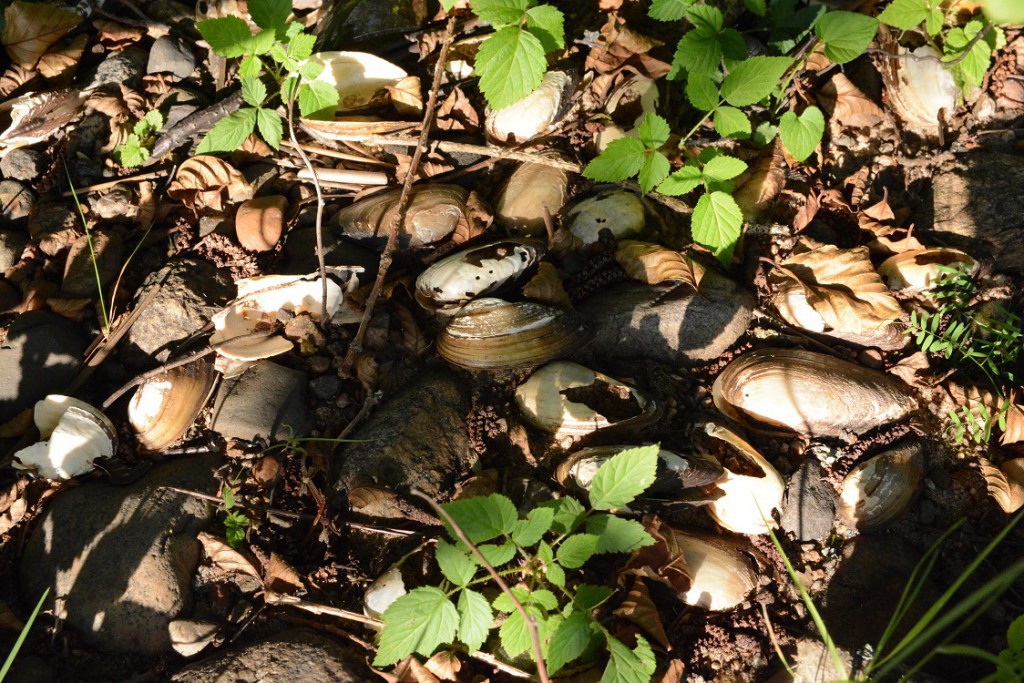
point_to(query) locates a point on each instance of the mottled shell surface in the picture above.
(434, 212)
(360, 78)
(675, 471)
(530, 190)
(921, 91)
(809, 393)
(534, 114)
(454, 281)
(918, 270)
(880, 489)
(491, 334)
(165, 406)
(619, 211)
(750, 492)
(722, 575)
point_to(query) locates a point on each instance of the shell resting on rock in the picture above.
(163, 407)
(878, 490)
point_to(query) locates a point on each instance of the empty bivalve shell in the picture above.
(536, 113)
(619, 211)
(920, 270)
(456, 280)
(434, 212)
(164, 406)
(675, 471)
(530, 190)
(751, 488)
(878, 490)
(722, 576)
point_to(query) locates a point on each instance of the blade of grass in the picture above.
(21, 637)
(1003, 666)
(92, 252)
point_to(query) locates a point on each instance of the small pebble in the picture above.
(318, 365)
(11, 246)
(926, 512)
(16, 202)
(325, 387)
(169, 55)
(22, 164)
(260, 222)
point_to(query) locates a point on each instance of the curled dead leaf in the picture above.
(208, 182)
(226, 558)
(62, 59)
(760, 185)
(14, 78)
(31, 29)
(663, 561)
(639, 608)
(279, 576)
(652, 263)
(546, 286)
(1005, 483)
(446, 665)
(407, 96)
(457, 113)
(847, 105)
(117, 36)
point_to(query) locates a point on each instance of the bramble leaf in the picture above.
(515, 635)
(475, 619)
(483, 517)
(250, 67)
(846, 34)
(623, 477)
(716, 224)
(753, 80)
(226, 36)
(668, 10)
(529, 531)
(702, 92)
(622, 159)
(758, 7)
(300, 47)
(685, 180)
(455, 565)
(723, 167)
(617, 535)
(499, 13)
(629, 666)
(654, 170)
(317, 99)
(1004, 11)
(653, 130)
(802, 134)
(253, 91)
(699, 53)
(569, 641)
(547, 24)
(261, 43)
(731, 123)
(511, 65)
(591, 597)
(497, 555)
(576, 550)
(270, 13)
(131, 153)
(569, 512)
(229, 133)
(417, 622)
(269, 125)
(904, 14)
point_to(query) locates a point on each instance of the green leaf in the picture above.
(707, 18)
(497, 555)
(503, 603)
(629, 666)
(227, 36)
(846, 34)
(758, 7)
(653, 130)
(569, 641)
(131, 153)
(310, 70)
(540, 597)
(764, 133)
(456, 566)
(262, 42)
(270, 127)
(702, 92)
(589, 597)
(698, 53)
(447, 5)
(731, 123)
(723, 167)
(934, 21)
(802, 134)
(904, 14)
(529, 531)
(1015, 635)
(229, 133)
(623, 477)
(300, 47)
(569, 512)
(685, 180)
(270, 13)
(317, 100)
(417, 622)
(576, 550)
(511, 65)
(716, 224)
(483, 517)
(547, 24)
(654, 170)
(554, 573)
(515, 635)
(475, 619)
(753, 80)
(622, 159)
(253, 91)
(1005, 11)
(150, 123)
(544, 598)
(668, 10)
(617, 535)
(251, 67)
(500, 13)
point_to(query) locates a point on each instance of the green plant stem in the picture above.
(21, 636)
(92, 251)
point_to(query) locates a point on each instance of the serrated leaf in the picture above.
(253, 91)
(555, 574)
(758, 7)
(547, 24)
(229, 133)
(483, 518)
(317, 100)
(934, 20)
(227, 36)
(569, 512)
(802, 134)
(575, 550)
(629, 666)
(568, 641)
(697, 53)
(702, 92)
(150, 123)
(617, 535)
(497, 555)
(515, 634)
(270, 13)
(753, 80)
(654, 170)
(764, 134)
(589, 598)
(622, 159)
(310, 70)
(300, 47)
(731, 123)
(455, 565)
(511, 65)
(475, 619)
(131, 153)
(668, 10)
(262, 42)
(707, 18)
(623, 477)
(503, 602)
(1015, 635)
(724, 167)
(417, 622)
(716, 224)
(846, 34)
(1004, 11)
(653, 130)
(500, 13)
(529, 531)
(251, 67)
(270, 127)
(544, 598)
(685, 180)
(904, 14)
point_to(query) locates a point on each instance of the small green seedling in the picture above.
(235, 522)
(135, 150)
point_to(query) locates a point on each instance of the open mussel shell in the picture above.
(919, 270)
(536, 113)
(434, 212)
(530, 190)
(361, 79)
(751, 487)
(385, 589)
(722, 576)
(627, 105)
(878, 490)
(919, 88)
(675, 471)
(456, 280)
(493, 334)
(568, 399)
(74, 434)
(620, 211)
(165, 406)
(810, 393)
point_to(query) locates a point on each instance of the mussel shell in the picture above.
(722, 576)
(675, 471)
(492, 334)
(748, 498)
(620, 211)
(528, 191)
(433, 214)
(920, 90)
(457, 279)
(360, 78)
(537, 112)
(918, 270)
(165, 406)
(878, 490)
(813, 394)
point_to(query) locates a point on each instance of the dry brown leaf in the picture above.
(14, 78)
(30, 29)
(409, 670)
(407, 96)
(446, 665)
(280, 577)
(652, 263)
(226, 558)
(117, 36)
(880, 211)
(641, 610)
(457, 113)
(546, 286)
(111, 105)
(68, 308)
(816, 60)
(62, 58)
(208, 182)
(413, 339)
(663, 561)
(1014, 432)
(848, 105)
(135, 101)
(474, 221)
(674, 672)
(760, 185)
(1005, 483)
(843, 287)
(806, 213)
(619, 46)
(147, 205)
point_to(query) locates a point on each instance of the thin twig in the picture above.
(531, 623)
(317, 608)
(928, 58)
(111, 183)
(372, 399)
(335, 154)
(403, 202)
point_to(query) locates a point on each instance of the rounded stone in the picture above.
(16, 203)
(260, 222)
(11, 245)
(41, 356)
(84, 262)
(22, 164)
(169, 55)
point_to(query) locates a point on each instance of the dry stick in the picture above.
(335, 154)
(482, 150)
(403, 202)
(531, 623)
(111, 183)
(928, 58)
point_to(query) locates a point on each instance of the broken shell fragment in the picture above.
(387, 588)
(360, 78)
(878, 490)
(567, 399)
(619, 211)
(751, 488)
(165, 406)
(920, 89)
(626, 107)
(921, 270)
(492, 334)
(530, 190)
(722, 577)
(71, 443)
(434, 212)
(457, 279)
(675, 471)
(813, 394)
(536, 113)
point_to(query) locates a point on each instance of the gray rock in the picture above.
(105, 257)
(55, 226)
(810, 503)
(191, 292)
(11, 246)
(325, 387)
(419, 438)
(299, 655)
(178, 103)
(171, 55)
(125, 67)
(42, 355)
(121, 558)
(634, 320)
(22, 164)
(268, 400)
(16, 202)
(118, 202)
